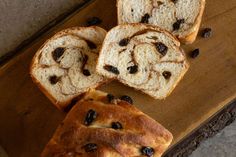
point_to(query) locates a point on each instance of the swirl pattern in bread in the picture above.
(64, 67)
(144, 57)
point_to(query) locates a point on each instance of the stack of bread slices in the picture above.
(142, 52)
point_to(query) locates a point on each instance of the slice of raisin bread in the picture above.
(181, 17)
(144, 57)
(101, 126)
(64, 67)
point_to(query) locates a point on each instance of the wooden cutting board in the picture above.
(28, 119)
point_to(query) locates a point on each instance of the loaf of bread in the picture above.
(64, 67)
(181, 17)
(100, 125)
(144, 57)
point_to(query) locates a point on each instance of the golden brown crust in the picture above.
(138, 130)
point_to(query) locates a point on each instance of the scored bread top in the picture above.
(181, 17)
(64, 67)
(98, 126)
(144, 57)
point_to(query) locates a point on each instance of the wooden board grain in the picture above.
(28, 120)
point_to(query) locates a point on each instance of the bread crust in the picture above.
(138, 130)
(61, 105)
(190, 35)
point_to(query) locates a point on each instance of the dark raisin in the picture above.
(110, 97)
(91, 45)
(162, 48)
(133, 69)
(166, 75)
(90, 117)
(116, 125)
(71, 105)
(84, 60)
(111, 69)
(145, 18)
(54, 79)
(195, 53)
(159, 3)
(124, 42)
(152, 37)
(176, 25)
(57, 53)
(127, 99)
(147, 151)
(207, 32)
(86, 72)
(94, 21)
(90, 147)
(174, 1)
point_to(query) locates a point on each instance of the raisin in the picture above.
(71, 105)
(86, 72)
(133, 69)
(90, 117)
(57, 53)
(94, 21)
(111, 69)
(207, 32)
(176, 25)
(90, 147)
(54, 79)
(195, 53)
(84, 60)
(110, 97)
(145, 18)
(162, 48)
(116, 125)
(124, 42)
(174, 1)
(91, 45)
(127, 99)
(166, 75)
(147, 151)
(159, 3)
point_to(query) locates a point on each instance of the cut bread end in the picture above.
(144, 57)
(64, 67)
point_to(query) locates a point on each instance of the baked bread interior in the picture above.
(144, 57)
(181, 17)
(64, 67)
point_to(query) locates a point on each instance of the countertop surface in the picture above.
(20, 19)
